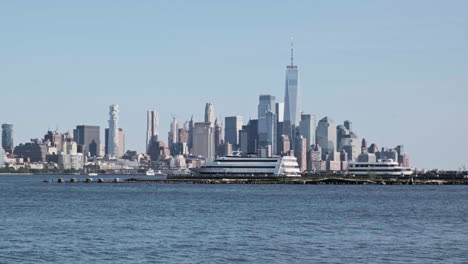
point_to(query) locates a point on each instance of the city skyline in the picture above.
(388, 84)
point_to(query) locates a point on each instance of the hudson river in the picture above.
(202, 223)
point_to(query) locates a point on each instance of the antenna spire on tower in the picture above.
(292, 52)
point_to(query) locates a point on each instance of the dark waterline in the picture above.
(186, 223)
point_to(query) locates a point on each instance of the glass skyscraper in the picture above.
(292, 114)
(7, 137)
(267, 124)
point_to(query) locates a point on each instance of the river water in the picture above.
(197, 223)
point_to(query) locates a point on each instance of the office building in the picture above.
(233, 126)
(87, 139)
(244, 139)
(203, 140)
(209, 114)
(307, 127)
(300, 151)
(326, 135)
(173, 133)
(252, 138)
(2, 158)
(7, 137)
(152, 128)
(121, 144)
(55, 139)
(73, 161)
(279, 111)
(291, 98)
(267, 125)
(113, 131)
(34, 151)
(348, 141)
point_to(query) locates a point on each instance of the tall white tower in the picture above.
(152, 128)
(114, 130)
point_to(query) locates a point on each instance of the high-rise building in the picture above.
(35, 151)
(307, 129)
(190, 134)
(2, 158)
(158, 150)
(121, 137)
(348, 141)
(55, 138)
(87, 139)
(315, 159)
(113, 131)
(285, 145)
(209, 114)
(244, 139)
(252, 138)
(300, 150)
(233, 126)
(7, 137)
(326, 135)
(267, 124)
(152, 128)
(292, 113)
(173, 133)
(183, 134)
(279, 111)
(203, 140)
(218, 138)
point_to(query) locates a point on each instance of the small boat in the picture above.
(92, 174)
(158, 174)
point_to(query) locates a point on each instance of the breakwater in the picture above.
(300, 180)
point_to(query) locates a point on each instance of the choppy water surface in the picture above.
(188, 223)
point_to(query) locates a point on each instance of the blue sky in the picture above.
(397, 69)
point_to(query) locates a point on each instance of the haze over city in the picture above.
(396, 69)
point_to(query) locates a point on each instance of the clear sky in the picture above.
(397, 69)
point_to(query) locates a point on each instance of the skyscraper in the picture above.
(291, 98)
(209, 114)
(152, 128)
(233, 126)
(307, 129)
(121, 142)
(87, 139)
(279, 107)
(173, 133)
(113, 130)
(267, 124)
(55, 138)
(7, 137)
(252, 136)
(326, 136)
(203, 140)
(348, 141)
